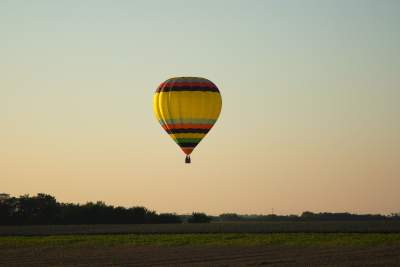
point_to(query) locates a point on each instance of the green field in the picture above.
(283, 239)
(205, 249)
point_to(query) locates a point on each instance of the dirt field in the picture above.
(201, 256)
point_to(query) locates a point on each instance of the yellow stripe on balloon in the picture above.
(187, 135)
(173, 105)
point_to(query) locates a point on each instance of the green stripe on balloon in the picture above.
(188, 140)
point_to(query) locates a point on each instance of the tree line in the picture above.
(307, 216)
(45, 209)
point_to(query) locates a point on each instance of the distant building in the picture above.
(4, 196)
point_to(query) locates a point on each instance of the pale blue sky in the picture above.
(310, 117)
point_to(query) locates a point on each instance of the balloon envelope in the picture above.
(187, 108)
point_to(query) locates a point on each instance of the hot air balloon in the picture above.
(187, 108)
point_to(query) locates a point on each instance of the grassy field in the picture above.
(283, 239)
(215, 249)
(352, 243)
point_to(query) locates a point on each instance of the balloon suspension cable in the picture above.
(187, 159)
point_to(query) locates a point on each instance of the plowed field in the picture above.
(201, 256)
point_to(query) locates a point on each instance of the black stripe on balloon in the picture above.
(173, 131)
(188, 144)
(189, 88)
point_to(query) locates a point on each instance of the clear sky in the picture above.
(310, 117)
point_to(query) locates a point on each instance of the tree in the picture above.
(232, 217)
(168, 218)
(198, 217)
(6, 209)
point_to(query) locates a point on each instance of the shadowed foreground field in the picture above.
(284, 249)
(225, 227)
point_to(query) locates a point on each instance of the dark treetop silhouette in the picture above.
(44, 209)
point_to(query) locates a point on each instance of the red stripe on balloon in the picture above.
(182, 84)
(187, 150)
